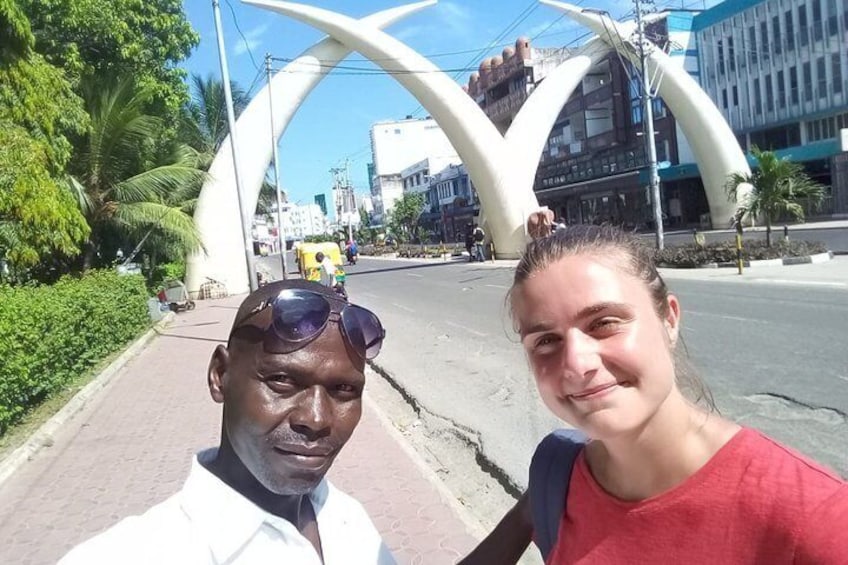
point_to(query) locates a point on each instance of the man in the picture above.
(469, 241)
(328, 269)
(290, 380)
(479, 238)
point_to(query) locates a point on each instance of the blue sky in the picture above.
(334, 121)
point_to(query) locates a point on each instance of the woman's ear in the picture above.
(215, 375)
(672, 319)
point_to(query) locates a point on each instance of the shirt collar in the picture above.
(226, 517)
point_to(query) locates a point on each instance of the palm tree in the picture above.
(120, 187)
(204, 125)
(779, 186)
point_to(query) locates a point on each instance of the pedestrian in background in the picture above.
(479, 238)
(664, 478)
(328, 269)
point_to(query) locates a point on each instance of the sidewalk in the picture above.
(132, 445)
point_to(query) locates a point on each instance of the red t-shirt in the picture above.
(755, 501)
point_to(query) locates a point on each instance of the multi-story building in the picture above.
(300, 221)
(396, 145)
(777, 71)
(503, 83)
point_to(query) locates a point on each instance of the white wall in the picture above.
(396, 145)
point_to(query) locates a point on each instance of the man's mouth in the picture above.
(594, 392)
(312, 457)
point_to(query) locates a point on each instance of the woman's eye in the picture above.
(545, 341)
(606, 324)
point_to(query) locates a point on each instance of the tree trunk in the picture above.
(768, 230)
(88, 256)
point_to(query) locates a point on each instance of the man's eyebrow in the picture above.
(587, 312)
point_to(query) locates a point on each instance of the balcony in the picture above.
(506, 106)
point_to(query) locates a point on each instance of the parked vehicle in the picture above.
(309, 268)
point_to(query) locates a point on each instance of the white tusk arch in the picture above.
(715, 147)
(216, 214)
(472, 134)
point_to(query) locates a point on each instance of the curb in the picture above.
(782, 262)
(472, 525)
(43, 437)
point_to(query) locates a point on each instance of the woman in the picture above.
(663, 480)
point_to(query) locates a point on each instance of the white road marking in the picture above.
(466, 329)
(803, 283)
(498, 286)
(725, 317)
(402, 307)
(414, 275)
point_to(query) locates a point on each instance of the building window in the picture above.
(735, 96)
(817, 20)
(789, 29)
(752, 45)
(764, 41)
(802, 25)
(781, 90)
(808, 82)
(731, 54)
(724, 98)
(821, 77)
(793, 84)
(758, 98)
(720, 57)
(832, 18)
(769, 94)
(775, 34)
(836, 72)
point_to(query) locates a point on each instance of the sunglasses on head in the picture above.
(300, 315)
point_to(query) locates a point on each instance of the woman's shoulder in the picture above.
(778, 471)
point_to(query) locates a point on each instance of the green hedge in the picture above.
(49, 335)
(692, 255)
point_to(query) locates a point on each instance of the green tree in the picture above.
(779, 186)
(99, 39)
(38, 216)
(120, 188)
(35, 95)
(403, 219)
(204, 125)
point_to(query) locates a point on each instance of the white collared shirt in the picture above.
(208, 522)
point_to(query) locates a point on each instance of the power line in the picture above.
(244, 39)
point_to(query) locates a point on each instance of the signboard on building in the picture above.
(321, 201)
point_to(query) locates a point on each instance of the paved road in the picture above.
(773, 354)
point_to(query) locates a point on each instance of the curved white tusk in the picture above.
(216, 214)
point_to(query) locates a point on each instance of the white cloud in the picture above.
(251, 40)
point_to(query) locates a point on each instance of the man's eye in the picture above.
(348, 390)
(280, 382)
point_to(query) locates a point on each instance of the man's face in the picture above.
(287, 416)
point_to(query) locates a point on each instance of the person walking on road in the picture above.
(328, 269)
(479, 237)
(664, 478)
(290, 380)
(469, 241)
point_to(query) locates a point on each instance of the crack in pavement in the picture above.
(779, 406)
(436, 423)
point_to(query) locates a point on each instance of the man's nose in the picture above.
(313, 414)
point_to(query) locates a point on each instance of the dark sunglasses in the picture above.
(300, 315)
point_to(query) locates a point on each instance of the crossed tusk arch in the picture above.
(501, 167)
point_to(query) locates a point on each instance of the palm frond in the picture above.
(172, 223)
(157, 185)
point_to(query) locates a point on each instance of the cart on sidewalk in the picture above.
(175, 295)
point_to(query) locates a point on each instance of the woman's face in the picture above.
(600, 353)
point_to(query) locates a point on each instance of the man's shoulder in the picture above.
(353, 534)
(135, 539)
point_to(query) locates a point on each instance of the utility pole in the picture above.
(231, 122)
(280, 235)
(648, 126)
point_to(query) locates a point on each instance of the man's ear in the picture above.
(672, 319)
(218, 366)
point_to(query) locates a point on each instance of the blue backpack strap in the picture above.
(550, 474)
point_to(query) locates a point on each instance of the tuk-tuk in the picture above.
(307, 265)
